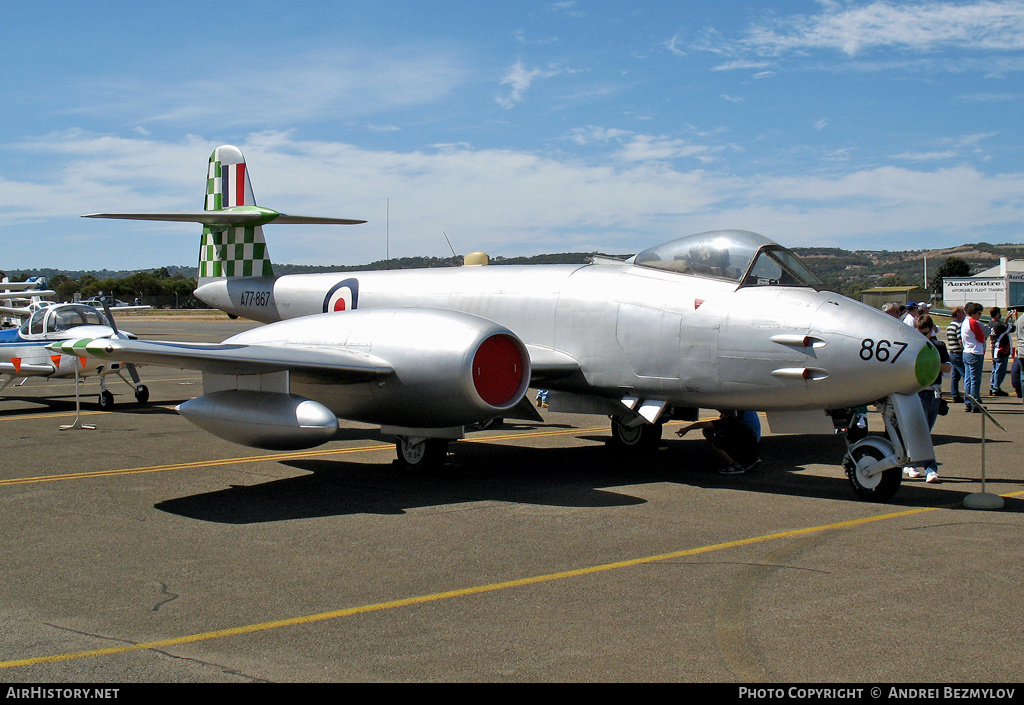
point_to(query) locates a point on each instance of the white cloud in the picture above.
(505, 202)
(305, 88)
(983, 25)
(520, 78)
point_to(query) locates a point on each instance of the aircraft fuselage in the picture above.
(638, 332)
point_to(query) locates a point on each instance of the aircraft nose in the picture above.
(870, 354)
(928, 365)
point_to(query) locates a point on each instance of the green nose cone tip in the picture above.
(928, 365)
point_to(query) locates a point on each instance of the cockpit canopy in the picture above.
(735, 255)
(51, 319)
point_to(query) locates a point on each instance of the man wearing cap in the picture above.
(911, 318)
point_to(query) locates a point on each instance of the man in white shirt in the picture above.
(911, 318)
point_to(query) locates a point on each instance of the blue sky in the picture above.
(514, 128)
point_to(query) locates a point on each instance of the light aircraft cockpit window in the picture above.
(65, 317)
(34, 325)
(736, 255)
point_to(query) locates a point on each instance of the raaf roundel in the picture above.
(343, 296)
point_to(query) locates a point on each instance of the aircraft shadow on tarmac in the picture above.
(65, 403)
(559, 477)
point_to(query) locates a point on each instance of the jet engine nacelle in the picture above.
(450, 368)
(447, 369)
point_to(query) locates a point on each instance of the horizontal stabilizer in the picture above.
(334, 364)
(229, 218)
(314, 220)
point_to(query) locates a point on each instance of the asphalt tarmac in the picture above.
(148, 551)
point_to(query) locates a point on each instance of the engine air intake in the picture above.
(498, 370)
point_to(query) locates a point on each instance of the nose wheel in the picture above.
(106, 400)
(878, 487)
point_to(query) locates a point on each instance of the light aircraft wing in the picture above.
(31, 287)
(229, 218)
(15, 311)
(338, 365)
(23, 293)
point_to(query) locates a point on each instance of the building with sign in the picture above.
(1001, 286)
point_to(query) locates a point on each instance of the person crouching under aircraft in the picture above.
(736, 436)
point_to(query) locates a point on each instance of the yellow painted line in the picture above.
(194, 464)
(434, 597)
(297, 455)
(452, 594)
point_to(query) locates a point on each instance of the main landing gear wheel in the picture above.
(142, 394)
(876, 488)
(484, 425)
(422, 453)
(643, 437)
(106, 400)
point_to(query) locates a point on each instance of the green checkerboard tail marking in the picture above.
(232, 243)
(225, 250)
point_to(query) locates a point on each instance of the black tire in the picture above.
(106, 400)
(142, 394)
(424, 455)
(877, 488)
(643, 438)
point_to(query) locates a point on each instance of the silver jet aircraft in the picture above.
(725, 320)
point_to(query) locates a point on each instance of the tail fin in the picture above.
(232, 244)
(231, 250)
(227, 182)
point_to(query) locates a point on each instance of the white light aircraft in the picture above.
(24, 352)
(20, 299)
(725, 320)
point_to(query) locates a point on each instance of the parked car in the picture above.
(97, 301)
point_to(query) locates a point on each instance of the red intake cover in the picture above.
(497, 370)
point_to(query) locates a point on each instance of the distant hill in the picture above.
(846, 271)
(850, 272)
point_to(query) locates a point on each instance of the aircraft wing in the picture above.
(228, 218)
(24, 293)
(15, 311)
(29, 288)
(335, 364)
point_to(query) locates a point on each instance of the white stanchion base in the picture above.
(983, 500)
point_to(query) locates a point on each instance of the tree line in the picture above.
(158, 288)
(847, 273)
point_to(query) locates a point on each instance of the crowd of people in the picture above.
(966, 343)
